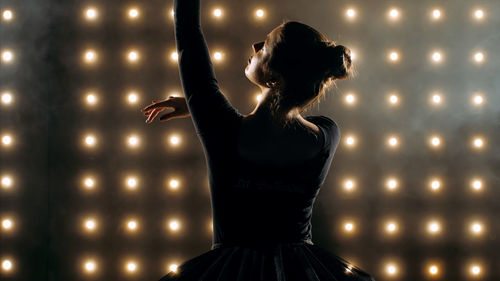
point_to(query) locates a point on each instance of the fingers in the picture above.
(151, 117)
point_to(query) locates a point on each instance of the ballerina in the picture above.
(265, 168)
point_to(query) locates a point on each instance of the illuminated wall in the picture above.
(90, 192)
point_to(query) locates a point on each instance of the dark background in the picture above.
(48, 121)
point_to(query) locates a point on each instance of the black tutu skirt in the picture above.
(278, 262)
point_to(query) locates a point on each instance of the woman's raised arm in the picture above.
(209, 108)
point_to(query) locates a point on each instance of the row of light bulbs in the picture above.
(91, 99)
(133, 141)
(391, 269)
(91, 57)
(132, 183)
(348, 226)
(134, 13)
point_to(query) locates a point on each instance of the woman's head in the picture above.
(299, 62)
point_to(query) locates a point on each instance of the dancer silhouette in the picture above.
(265, 168)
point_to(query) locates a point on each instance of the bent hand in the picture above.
(177, 103)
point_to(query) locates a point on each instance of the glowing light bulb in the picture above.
(91, 98)
(477, 184)
(479, 14)
(174, 56)
(90, 266)
(391, 227)
(6, 140)
(393, 99)
(436, 14)
(218, 56)
(392, 183)
(436, 99)
(6, 98)
(478, 142)
(91, 13)
(7, 15)
(133, 56)
(7, 224)
(435, 184)
(6, 265)
(475, 269)
(133, 13)
(394, 56)
(6, 181)
(350, 99)
(437, 57)
(476, 228)
(479, 57)
(394, 14)
(391, 269)
(173, 184)
(217, 13)
(90, 140)
(393, 141)
(174, 225)
(433, 270)
(350, 141)
(259, 13)
(173, 267)
(433, 227)
(7, 56)
(349, 185)
(477, 99)
(351, 13)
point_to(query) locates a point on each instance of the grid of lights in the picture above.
(174, 225)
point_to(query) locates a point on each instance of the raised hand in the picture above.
(177, 103)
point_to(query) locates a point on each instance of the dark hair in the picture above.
(308, 63)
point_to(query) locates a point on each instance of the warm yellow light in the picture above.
(90, 56)
(437, 57)
(7, 98)
(349, 226)
(218, 56)
(435, 184)
(436, 99)
(350, 99)
(436, 14)
(90, 224)
(217, 13)
(6, 182)
(393, 99)
(173, 267)
(477, 99)
(258, 97)
(479, 14)
(91, 13)
(172, 13)
(133, 13)
(7, 15)
(433, 227)
(174, 225)
(90, 266)
(350, 141)
(259, 13)
(132, 97)
(349, 185)
(7, 265)
(6, 140)
(433, 270)
(393, 141)
(89, 182)
(476, 228)
(174, 184)
(91, 98)
(131, 182)
(478, 142)
(479, 57)
(90, 140)
(394, 56)
(475, 270)
(7, 56)
(391, 269)
(133, 141)
(175, 140)
(392, 183)
(174, 56)
(394, 14)
(7, 224)
(133, 56)
(350, 13)
(132, 225)
(476, 184)
(435, 141)
(131, 267)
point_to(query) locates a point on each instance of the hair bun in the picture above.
(340, 61)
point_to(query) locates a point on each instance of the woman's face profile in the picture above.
(254, 71)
